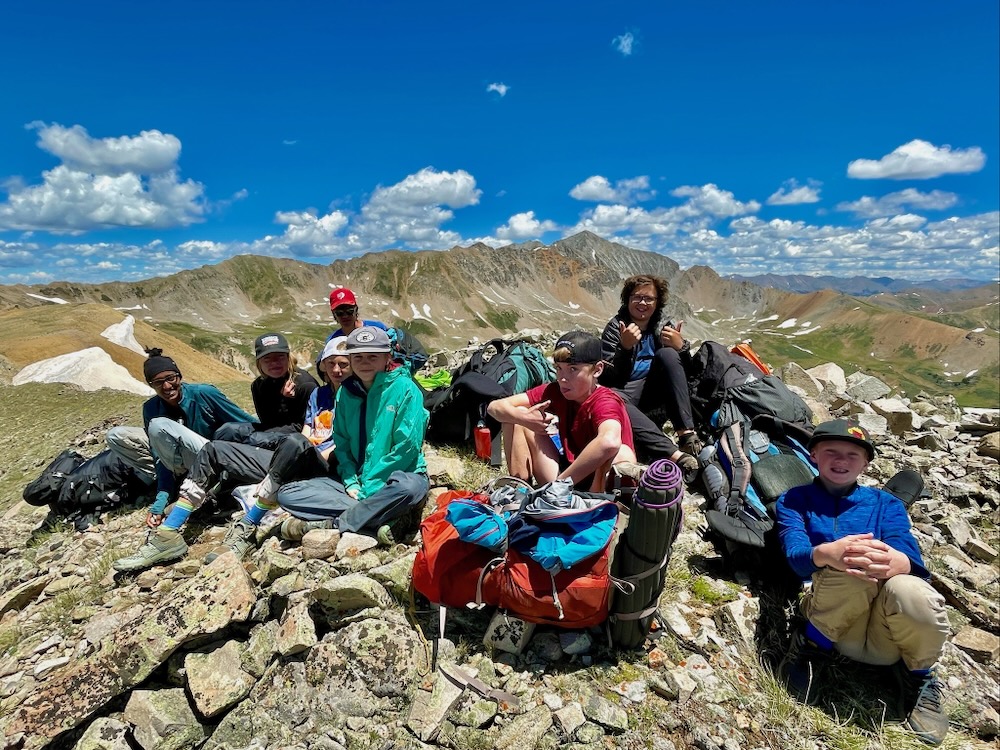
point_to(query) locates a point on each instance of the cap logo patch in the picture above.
(856, 432)
(269, 341)
(365, 337)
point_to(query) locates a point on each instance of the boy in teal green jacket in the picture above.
(378, 432)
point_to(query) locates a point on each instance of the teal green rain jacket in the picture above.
(379, 432)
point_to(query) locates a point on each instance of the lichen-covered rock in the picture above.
(352, 591)
(296, 631)
(104, 734)
(216, 679)
(220, 594)
(526, 730)
(163, 720)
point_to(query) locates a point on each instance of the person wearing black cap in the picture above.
(590, 421)
(870, 598)
(178, 422)
(280, 396)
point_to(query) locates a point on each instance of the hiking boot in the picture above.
(689, 467)
(399, 528)
(802, 666)
(239, 539)
(163, 545)
(922, 704)
(690, 443)
(293, 529)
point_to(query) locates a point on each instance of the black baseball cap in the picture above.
(843, 429)
(584, 348)
(270, 343)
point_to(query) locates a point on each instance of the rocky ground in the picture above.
(319, 645)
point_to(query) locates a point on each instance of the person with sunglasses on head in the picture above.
(177, 423)
(645, 358)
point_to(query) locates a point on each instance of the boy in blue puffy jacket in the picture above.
(870, 598)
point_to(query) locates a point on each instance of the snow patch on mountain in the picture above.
(123, 334)
(91, 369)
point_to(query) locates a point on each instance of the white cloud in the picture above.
(524, 226)
(599, 188)
(709, 199)
(150, 152)
(624, 43)
(317, 233)
(500, 88)
(108, 182)
(289, 142)
(918, 160)
(793, 194)
(893, 203)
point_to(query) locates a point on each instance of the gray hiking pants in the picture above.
(294, 458)
(171, 442)
(322, 498)
(131, 445)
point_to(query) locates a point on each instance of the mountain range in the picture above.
(917, 339)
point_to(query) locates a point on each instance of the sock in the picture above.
(182, 509)
(818, 638)
(256, 513)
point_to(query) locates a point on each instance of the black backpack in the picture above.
(101, 482)
(45, 489)
(711, 372)
(496, 370)
(407, 349)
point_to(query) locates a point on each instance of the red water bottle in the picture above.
(484, 449)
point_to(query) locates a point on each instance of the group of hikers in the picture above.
(348, 454)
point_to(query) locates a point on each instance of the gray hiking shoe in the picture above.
(922, 702)
(239, 539)
(163, 545)
(293, 529)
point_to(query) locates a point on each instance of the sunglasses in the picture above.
(345, 312)
(168, 380)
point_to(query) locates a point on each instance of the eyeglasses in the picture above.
(169, 379)
(639, 300)
(345, 312)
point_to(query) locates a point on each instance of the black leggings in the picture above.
(664, 390)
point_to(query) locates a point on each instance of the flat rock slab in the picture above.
(163, 720)
(221, 593)
(216, 679)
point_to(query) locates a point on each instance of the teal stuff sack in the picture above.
(478, 523)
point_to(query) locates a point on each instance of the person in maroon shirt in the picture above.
(573, 428)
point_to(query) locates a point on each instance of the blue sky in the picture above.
(854, 138)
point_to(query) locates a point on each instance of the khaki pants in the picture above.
(878, 623)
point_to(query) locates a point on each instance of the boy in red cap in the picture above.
(870, 598)
(344, 306)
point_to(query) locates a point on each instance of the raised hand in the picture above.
(670, 336)
(630, 334)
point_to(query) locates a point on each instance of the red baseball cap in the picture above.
(341, 297)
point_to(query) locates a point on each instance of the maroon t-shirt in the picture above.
(578, 423)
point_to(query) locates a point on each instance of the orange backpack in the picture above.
(746, 352)
(446, 569)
